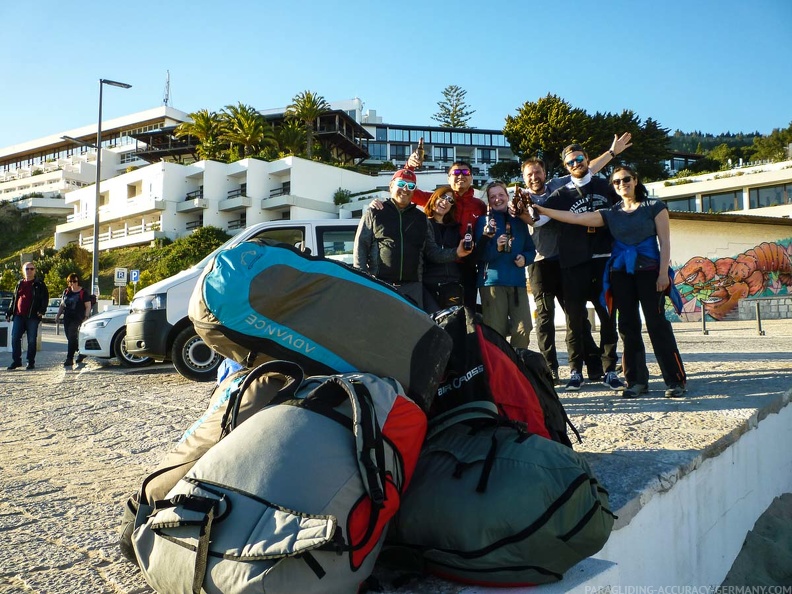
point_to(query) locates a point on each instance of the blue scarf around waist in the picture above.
(623, 257)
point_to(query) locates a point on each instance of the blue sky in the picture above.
(708, 65)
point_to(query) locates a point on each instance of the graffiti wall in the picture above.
(719, 284)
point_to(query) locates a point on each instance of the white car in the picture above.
(103, 336)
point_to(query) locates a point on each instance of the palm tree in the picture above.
(291, 137)
(206, 127)
(246, 128)
(306, 107)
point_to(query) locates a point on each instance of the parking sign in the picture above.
(134, 275)
(120, 277)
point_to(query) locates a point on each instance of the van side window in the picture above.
(294, 236)
(337, 243)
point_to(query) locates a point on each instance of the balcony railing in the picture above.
(194, 195)
(236, 193)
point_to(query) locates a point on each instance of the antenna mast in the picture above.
(166, 100)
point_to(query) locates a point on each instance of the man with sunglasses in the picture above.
(27, 308)
(393, 240)
(545, 272)
(583, 253)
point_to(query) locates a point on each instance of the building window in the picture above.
(499, 140)
(416, 135)
(485, 155)
(722, 202)
(398, 135)
(682, 204)
(482, 139)
(438, 137)
(378, 151)
(460, 137)
(382, 134)
(443, 153)
(400, 152)
(770, 196)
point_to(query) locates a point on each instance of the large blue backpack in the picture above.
(262, 300)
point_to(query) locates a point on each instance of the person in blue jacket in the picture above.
(505, 249)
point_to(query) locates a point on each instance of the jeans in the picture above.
(21, 326)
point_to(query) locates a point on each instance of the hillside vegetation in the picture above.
(34, 235)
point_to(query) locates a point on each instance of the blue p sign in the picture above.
(134, 275)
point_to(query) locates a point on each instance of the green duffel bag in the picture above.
(491, 504)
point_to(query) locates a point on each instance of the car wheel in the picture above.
(125, 357)
(193, 358)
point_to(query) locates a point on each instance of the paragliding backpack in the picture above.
(263, 300)
(483, 366)
(494, 505)
(295, 499)
(235, 399)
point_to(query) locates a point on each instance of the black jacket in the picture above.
(40, 300)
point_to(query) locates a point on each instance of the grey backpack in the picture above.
(296, 499)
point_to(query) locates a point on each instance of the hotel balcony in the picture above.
(124, 236)
(194, 201)
(236, 200)
(140, 205)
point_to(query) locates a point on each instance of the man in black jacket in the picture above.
(392, 242)
(583, 253)
(26, 310)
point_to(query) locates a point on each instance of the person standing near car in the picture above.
(75, 307)
(26, 309)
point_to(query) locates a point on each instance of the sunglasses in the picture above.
(405, 184)
(622, 180)
(448, 198)
(459, 172)
(578, 159)
(26, 269)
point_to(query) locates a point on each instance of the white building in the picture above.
(169, 199)
(36, 175)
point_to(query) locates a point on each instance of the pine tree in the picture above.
(454, 112)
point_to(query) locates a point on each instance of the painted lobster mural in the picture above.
(720, 284)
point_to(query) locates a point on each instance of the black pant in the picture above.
(630, 291)
(71, 328)
(468, 278)
(583, 283)
(546, 286)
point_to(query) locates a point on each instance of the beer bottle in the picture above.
(419, 153)
(518, 202)
(508, 246)
(529, 205)
(468, 240)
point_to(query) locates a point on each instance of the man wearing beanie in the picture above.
(392, 242)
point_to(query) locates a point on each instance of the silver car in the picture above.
(103, 336)
(52, 309)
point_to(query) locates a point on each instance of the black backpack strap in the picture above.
(293, 372)
(370, 455)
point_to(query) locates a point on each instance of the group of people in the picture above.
(582, 239)
(28, 306)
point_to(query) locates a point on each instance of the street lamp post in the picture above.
(95, 275)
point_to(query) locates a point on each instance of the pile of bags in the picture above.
(359, 423)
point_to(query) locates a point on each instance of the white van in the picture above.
(158, 326)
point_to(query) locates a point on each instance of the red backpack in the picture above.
(483, 366)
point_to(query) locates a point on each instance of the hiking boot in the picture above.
(574, 383)
(79, 359)
(556, 379)
(612, 381)
(30, 366)
(635, 390)
(675, 391)
(68, 363)
(13, 366)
